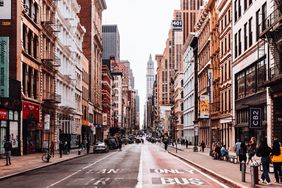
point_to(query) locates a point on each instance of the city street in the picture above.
(146, 165)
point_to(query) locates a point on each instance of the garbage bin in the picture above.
(254, 175)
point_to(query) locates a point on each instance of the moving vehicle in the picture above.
(100, 147)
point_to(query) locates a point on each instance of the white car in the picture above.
(100, 147)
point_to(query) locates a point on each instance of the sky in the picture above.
(143, 26)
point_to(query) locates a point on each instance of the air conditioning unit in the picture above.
(25, 8)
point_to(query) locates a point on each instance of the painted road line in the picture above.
(140, 173)
(211, 178)
(80, 170)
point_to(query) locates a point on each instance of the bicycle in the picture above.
(46, 156)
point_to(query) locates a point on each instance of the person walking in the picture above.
(61, 148)
(264, 152)
(52, 149)
(203, 145)
(88, 147)
(8, 149)
(276, 154)
(251, 149)
(237, 148)
(242, 154)
(186, 143)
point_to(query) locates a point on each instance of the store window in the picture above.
(240, 85)
(250, 81)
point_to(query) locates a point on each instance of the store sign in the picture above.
(30, 111)
(255, 118)
(47, 122)
(3, 114)
(176, 24)
(204, 106)
(5, 9)
(4, 66)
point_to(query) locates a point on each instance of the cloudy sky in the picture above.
(143, 27)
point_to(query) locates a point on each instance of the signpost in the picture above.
(255, 118)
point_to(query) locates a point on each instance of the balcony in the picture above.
(272, 22)
(52, 97)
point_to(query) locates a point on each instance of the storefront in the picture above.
(10, 128)
(32, 128)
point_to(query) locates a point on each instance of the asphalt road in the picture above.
(143, 165)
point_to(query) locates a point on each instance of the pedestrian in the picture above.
(166, 143)
(203, 145)
(242, 152)
(61, 148)
(276, 154)
(119, 144)
(217, 152)
(264, 152)
(251, 149)
(52, 149)
(8, 149)
(88, 147)
(224, 152)
(237, 148)
(186, 143)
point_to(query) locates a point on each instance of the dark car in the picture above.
(100, 147)
(112, 143)
(126, 141)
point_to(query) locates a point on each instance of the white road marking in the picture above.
(80, 170)
(102, 181)
(214, 180)
(140, 173)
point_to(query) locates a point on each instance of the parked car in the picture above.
(100, 147)
(126, 141)
(112, 143)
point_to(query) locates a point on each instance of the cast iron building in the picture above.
(111, 41)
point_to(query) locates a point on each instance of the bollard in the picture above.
(243, 171)
(254, 175)
(79, 151)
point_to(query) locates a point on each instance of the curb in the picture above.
(210, 172)
(175, 148)
(39, 167)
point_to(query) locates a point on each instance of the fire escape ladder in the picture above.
(275, 66)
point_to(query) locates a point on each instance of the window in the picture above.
(236, 52)
(235, 10)
(245, 37)
(250, 32)
(239, 42)
(257, 24)
(263, 16)
(239, 8)
(250, 81)
(1, 3)
(245, 4)
(261, 74)
(229, 100)
(240, 84)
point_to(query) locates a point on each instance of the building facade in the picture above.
(250, 61)
(111, 42)
(225, 36)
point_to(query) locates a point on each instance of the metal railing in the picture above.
(269, 22)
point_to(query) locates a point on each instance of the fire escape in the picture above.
(49, 60)
(270, 32)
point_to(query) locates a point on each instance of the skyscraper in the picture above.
(111, 41)
(150, 77)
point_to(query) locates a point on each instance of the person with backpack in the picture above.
(251, 149)
(276, 154)
(264, 152)
(237, 148)
(8, 149)
(242, 154)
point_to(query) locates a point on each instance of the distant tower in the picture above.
(150, 77)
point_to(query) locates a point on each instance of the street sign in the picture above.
(176, 24)
(255, 118)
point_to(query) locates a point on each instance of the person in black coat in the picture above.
(264, 152)
(8, 149)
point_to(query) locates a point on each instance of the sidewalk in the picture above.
(21, 164)
(223, 170)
